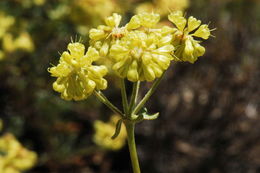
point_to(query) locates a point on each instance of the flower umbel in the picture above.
(141, 56)
(77, 78)
(187, 48)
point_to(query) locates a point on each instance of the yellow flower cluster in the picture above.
(141, 50)
(77, 78)
(22, 42)
(187, 48)
(142, 56)
(14, 158)
(9, 43)
(105, 35)
(104, 132)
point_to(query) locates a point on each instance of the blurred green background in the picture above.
(209, 121)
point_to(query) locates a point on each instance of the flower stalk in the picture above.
(148, 95)
(101, 97)
(130, 126)
(124, 96)
(134, 96)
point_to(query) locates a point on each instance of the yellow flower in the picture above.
(77, 78)
(105, 130)
(142, 56)
(24, 42)
(104, 35)
(187, 48)
(16, 158)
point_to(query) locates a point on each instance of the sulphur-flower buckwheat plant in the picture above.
(141, 50)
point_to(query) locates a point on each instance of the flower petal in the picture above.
(202, 32)
(178, 20)
(193, 23)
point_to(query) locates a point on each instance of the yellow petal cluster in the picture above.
(104, 35)
(9, 41)
(105, 130)
(141, 56)
(22, 42)
(139, 50)
(77, 78)
(187, 48)
(14, 158)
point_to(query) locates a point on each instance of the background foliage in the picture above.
(209, 119)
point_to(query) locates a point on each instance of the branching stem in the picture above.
(148, 95)
(104, 100)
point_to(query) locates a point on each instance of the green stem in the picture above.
(124, 96)
(130, 126)
(104, 100)
(148, 95)
(134, 96)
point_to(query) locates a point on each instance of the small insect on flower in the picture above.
(187, 48)
(77, 78)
